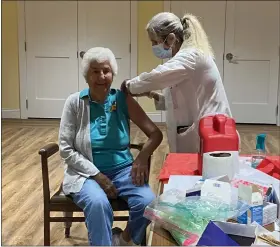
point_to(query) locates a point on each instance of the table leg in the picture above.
(151, 233)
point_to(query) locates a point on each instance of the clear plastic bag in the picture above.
(187, 217)
(184, 240)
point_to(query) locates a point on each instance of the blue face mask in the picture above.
(160, 52)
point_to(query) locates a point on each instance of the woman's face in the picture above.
(155, 40)
(99, 77)
(167, 43)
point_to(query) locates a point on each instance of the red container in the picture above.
(217, 133)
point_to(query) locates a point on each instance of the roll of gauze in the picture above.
(220, 163)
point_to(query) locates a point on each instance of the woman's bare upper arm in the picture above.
(139, 117)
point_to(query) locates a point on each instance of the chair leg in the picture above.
(67, 225)
(47, 238)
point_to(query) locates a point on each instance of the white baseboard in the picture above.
(10, 113)
(154, 116)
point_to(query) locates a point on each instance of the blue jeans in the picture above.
(99, 214)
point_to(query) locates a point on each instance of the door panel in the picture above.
(102, 24)
(52, 67)
(211, 14)
(252, 60)
(47, 72)
(261, 73)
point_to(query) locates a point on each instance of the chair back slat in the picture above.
(45, 175)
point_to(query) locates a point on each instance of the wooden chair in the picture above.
(59, 202)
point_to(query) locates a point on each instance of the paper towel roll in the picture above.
(220, 163)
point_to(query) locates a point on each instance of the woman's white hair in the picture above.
(188, 30)
(100, 55)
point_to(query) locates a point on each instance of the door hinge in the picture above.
(223, 56)
(129, 48)
(277, 110)
(26, 103)
(25, 46)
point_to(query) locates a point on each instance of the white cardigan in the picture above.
(74, 144)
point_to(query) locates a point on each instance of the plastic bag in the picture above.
(183, 240)
(187, 217)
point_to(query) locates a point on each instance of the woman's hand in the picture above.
(106, 184)
(140, 171)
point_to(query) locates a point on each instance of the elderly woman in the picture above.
(94, 143)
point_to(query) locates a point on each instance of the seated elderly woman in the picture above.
(94, 143)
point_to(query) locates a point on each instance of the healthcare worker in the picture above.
(191, 83)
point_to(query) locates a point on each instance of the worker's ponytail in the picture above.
(194, 35)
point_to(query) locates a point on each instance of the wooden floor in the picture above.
(22, 201)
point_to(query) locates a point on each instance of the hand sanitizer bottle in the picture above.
(259, 154)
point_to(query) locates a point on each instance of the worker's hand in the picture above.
(151, 95)
(140, 171)
(141, 95)
(106, 184)
(123, 87)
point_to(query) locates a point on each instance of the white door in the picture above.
(52, 65)
(251, 60)
(212, 16)
(106, 24)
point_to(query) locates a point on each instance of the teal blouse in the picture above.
(109, 131)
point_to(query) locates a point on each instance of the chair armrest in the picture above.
(137, 146)
(49, 150)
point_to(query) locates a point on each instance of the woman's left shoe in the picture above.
(117, 239)
(116, 233)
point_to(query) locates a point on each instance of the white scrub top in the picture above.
(193, 89)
